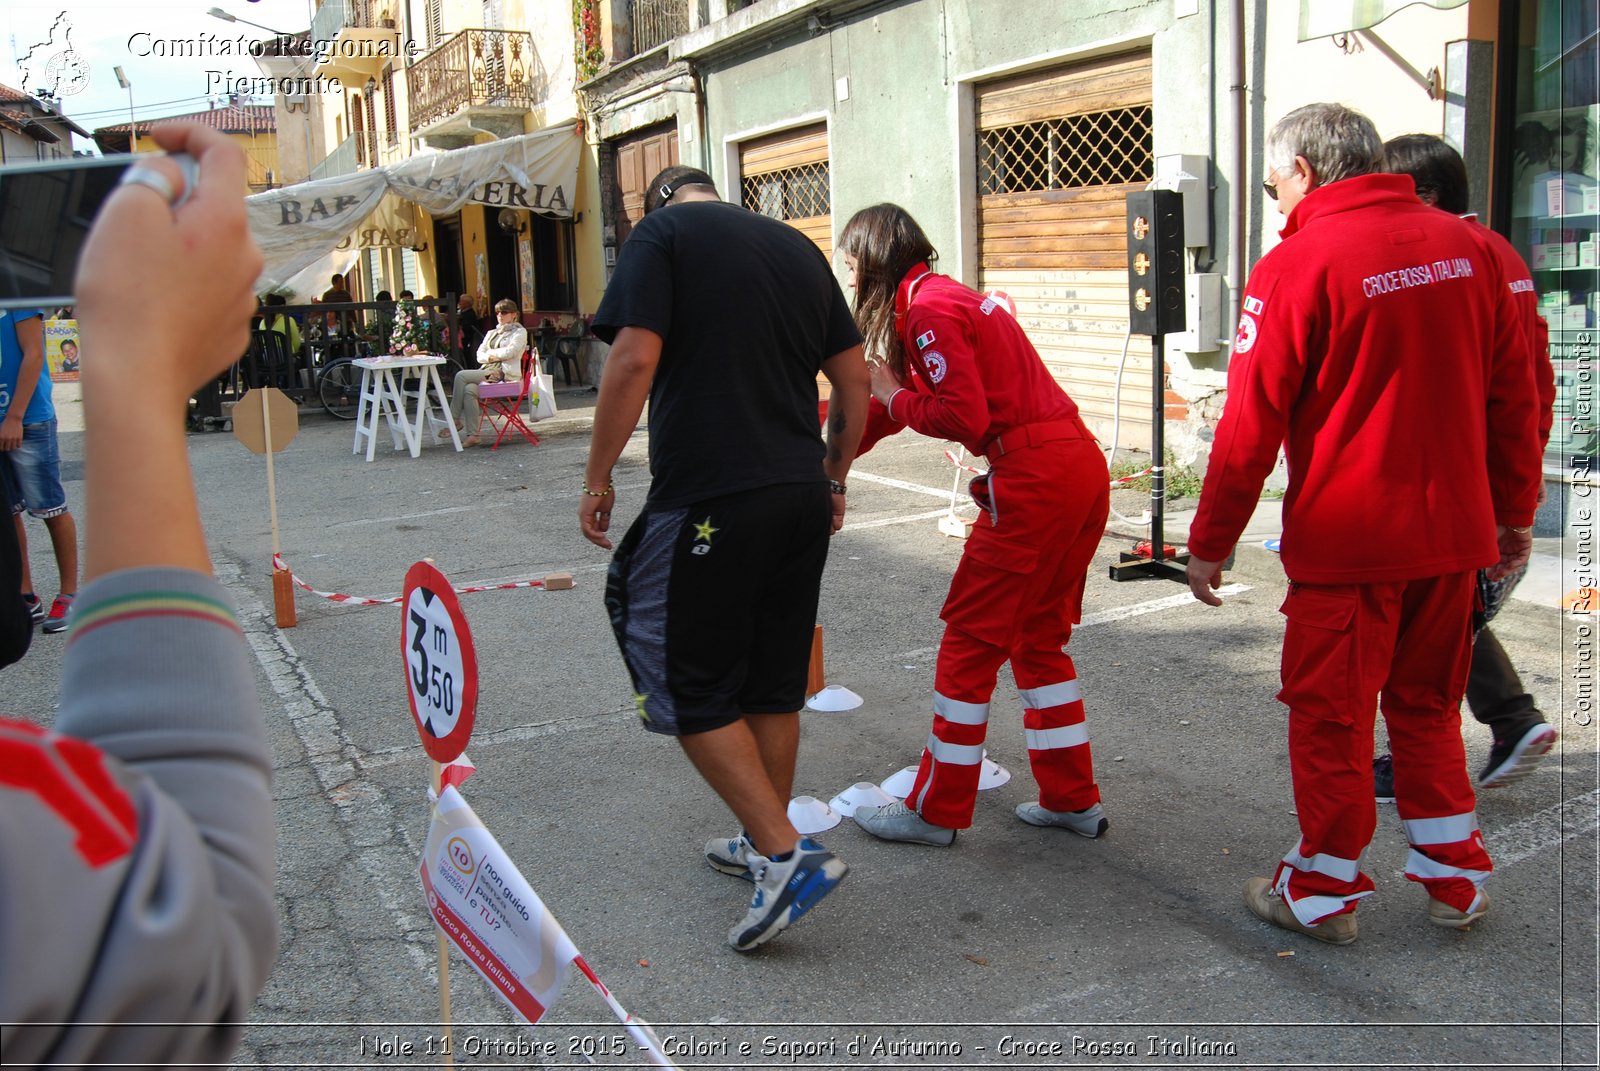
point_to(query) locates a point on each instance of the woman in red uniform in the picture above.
(954, 364)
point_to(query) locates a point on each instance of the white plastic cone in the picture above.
(993, 775)
(899, 784)
(810, 815)
(860, 794)
(834, 699)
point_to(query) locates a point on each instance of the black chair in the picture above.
(545, 340)
(270, 362)
(567, 348)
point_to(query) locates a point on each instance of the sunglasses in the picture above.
(1270, 186)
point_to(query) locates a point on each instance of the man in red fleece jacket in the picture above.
(1380, 343)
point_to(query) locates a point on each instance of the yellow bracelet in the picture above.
(598, 494)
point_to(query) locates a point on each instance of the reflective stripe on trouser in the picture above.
(1316, 886)
(1058, 739)
(946, 788)
(1447, 857)
(1407, 644)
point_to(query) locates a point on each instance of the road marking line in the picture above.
(447, 510)
(359, 522)
(515, 734)
(1119, 613)
(933, 492)
(1184, 598)
(856, 526)
(1576, 817)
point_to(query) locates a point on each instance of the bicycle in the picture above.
(339, 388)
(339, 384)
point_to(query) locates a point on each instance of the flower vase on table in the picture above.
(410, 334)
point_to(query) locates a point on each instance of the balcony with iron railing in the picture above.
(355, 38)
(655, 22)
(359, 150)
(474, 72)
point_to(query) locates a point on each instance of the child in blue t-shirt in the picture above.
(28, 450)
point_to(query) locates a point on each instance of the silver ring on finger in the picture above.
(139, 175)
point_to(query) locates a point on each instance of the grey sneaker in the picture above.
(1268, 906)
(60, 614)
(785, 891)
(1089, 822)
(1442, 914)
(896, 821)
(732, 856)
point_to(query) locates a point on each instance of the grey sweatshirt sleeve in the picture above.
(137, 882)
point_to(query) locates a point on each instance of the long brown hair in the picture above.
(886, 243)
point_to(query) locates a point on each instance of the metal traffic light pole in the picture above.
(1156, 306)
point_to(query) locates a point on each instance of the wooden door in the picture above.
(641, 157)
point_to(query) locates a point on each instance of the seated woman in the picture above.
(273, 319)
(500, 358)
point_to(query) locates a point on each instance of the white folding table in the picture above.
(390, 386)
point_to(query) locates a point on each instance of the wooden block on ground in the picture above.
(558, 581)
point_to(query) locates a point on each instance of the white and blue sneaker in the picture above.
(786, 890)
(732, 856)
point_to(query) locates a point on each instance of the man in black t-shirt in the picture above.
(724, 318)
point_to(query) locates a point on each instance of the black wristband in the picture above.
(836, 487)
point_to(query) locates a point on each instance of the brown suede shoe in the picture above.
(1269, 907)
(1442, 914)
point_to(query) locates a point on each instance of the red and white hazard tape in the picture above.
(357, 600)
(958, 463)
(1130, 479)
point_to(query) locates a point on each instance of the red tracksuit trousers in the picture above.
(1409, 644)
(1015, 596)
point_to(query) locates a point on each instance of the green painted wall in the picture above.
(898, 135)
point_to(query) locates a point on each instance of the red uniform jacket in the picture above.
(1380, 341)
(1527, 301)
(972, 373)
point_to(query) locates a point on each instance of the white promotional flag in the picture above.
(484, 905)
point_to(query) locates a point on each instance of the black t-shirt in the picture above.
(748, 309)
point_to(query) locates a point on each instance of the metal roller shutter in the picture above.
(1058, 150)
(786, 176)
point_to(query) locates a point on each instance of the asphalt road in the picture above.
(1016, 947)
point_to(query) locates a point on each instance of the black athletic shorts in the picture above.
(714, 604)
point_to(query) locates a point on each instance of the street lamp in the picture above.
(228, 16)
(133, 124)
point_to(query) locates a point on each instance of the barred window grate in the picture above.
(1091, 149)
(791, 193)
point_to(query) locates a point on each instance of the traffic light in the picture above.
(1155, 262)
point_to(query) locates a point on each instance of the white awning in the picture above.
(297, 225)
(1324, 18)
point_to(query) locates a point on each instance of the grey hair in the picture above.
(1337, 142)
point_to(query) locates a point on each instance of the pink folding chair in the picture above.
(505, 401)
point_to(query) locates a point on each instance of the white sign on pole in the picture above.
(488, 910)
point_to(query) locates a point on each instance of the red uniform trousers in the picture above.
(1016, 595)
(1409, 643)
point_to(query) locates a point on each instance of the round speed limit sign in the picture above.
(441, 667)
